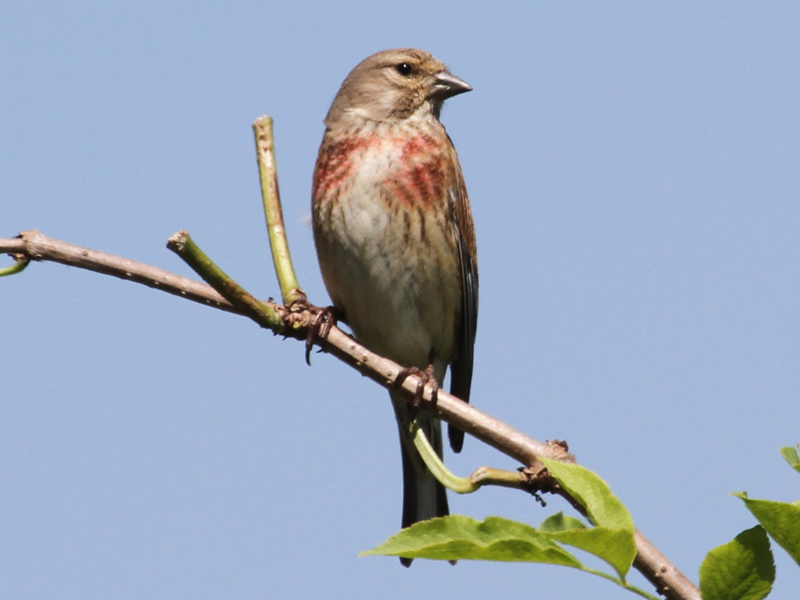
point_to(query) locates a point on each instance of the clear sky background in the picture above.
(633, 170)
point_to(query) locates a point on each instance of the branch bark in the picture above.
(35, 246)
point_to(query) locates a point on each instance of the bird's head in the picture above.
(394, 85)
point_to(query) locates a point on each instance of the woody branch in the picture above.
(35, 246)
(293, 321)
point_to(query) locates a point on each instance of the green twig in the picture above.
(182, 244)
(491, 476)
(265, 150)
(19, 265)
(461, 485)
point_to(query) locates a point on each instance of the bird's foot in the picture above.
(426, 377)
(320, 328)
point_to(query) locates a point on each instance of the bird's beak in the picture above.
(448, 85)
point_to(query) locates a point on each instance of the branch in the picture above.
(38, 247)
(293, 320)
(32, 245)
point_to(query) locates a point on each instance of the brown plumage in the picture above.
(395, 238)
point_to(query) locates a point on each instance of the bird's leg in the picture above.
(320, 328)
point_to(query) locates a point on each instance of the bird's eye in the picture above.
(404, 69)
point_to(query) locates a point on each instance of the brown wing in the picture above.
(461, 368)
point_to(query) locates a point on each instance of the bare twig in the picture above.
(36, 246)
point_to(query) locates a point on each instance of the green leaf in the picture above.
(590, 490)
(615, 546)
(612, 539)
(742, 569)
(780, 519)
(560, 522)
(791, 456)
(459, 537)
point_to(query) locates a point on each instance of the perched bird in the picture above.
(395, 239)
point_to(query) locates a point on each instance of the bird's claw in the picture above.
(319, 329)
(425, 377)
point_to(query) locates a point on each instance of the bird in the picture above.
(395, 239)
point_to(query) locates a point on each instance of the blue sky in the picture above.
(633, 171)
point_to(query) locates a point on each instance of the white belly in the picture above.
(398, 286)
